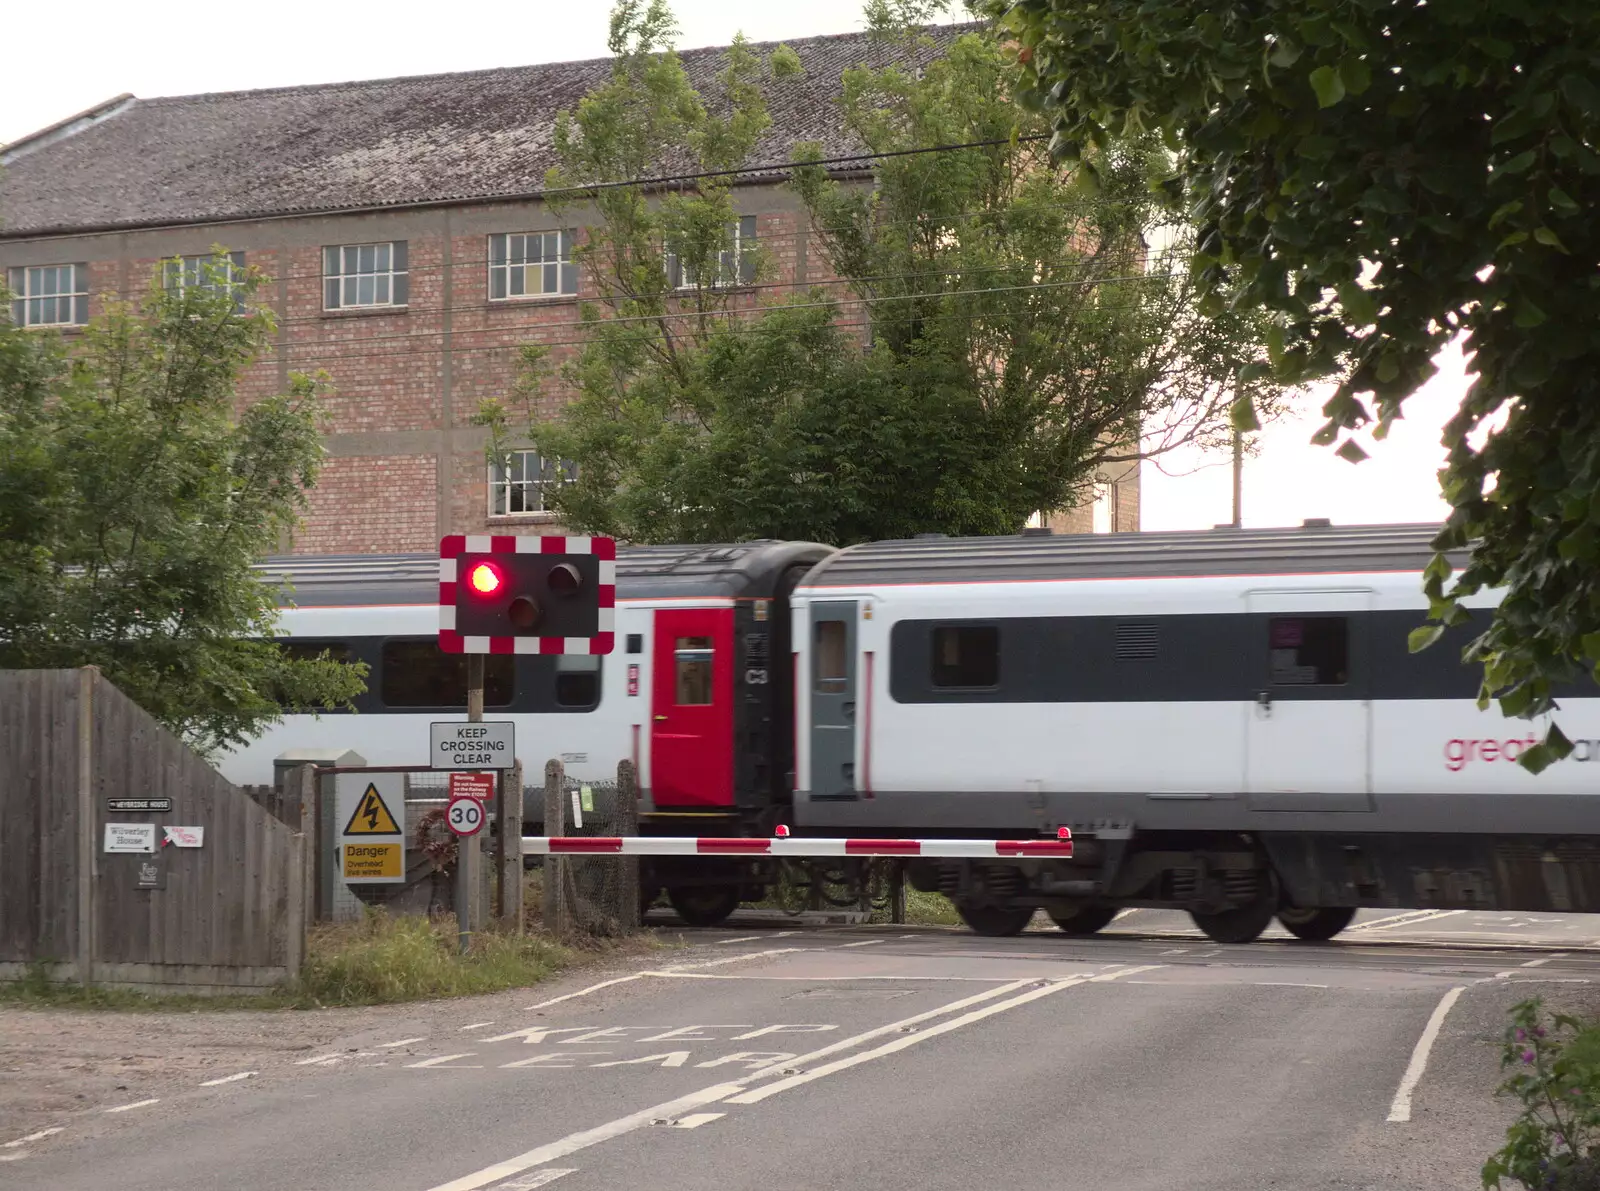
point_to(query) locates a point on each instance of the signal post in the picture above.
(510, 594)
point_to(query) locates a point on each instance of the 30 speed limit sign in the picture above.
(464, 815)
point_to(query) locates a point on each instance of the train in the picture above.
(1230, 722)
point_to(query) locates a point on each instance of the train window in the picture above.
(966, 656)
(635, 642)
(1309, 650)
(417, 674)
(693, 658)
(833, 662)
(577, 680)
(310, 651)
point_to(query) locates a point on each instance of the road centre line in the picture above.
(944, 1027)
(477, 1025)
(1409, 918)
(39, 1136)
(717, 1092)
(1400, 1109)
(135, 1104)
(1534, 963)
(863, 943)
(583, 992)
(737, 959)
(402, 1042)
(823, 979)
(740, 939)
(683, 1105)
(211, 1083)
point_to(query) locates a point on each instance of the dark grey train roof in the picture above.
(1292, 551)
(749, 569)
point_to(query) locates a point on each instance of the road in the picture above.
(892, 1057)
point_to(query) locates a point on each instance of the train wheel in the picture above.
(703, 905)
(998, 922)
(1086, 920)
(1315, 926)
(1242, 924)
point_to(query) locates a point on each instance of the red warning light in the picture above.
(484, 579)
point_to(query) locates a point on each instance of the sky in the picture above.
(181, 47)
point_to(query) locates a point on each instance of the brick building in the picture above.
(408, 254)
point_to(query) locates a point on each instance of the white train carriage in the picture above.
(698, 691)
(1230, 722)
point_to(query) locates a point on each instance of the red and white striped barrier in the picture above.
(662, 845)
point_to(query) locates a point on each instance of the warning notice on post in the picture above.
(375, 862)
(472, 746)
(371, 812)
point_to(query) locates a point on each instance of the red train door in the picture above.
(691, 705)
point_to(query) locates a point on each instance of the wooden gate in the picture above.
(229, 915)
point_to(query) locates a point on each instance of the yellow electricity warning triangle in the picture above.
(372, 816)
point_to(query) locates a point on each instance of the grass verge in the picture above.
(379, 960)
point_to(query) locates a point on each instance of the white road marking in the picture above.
(477, 1025)
(583, 992)
(695, 1119)
(15, 1156)
(734, 959)
(442, 1060)
(39, 1136)
(1177, 951)
(1121, 914)
(670, 1058)
(1400, 1110)
(1534, 963)
(1409, 918)
(537, 1179)
(740, 939)
(821, 979)
(402, 1042)
(211, 1083)
(574, 1142)
(135, 1104)
(944, 1027)
(863, 943)
(550, 1060)
(1284, 984)
(318, 1059)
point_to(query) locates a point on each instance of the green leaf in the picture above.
(1358, 304)
(1275, 335)
(1504, 211)
(1254, 371)
(1242, 416)
(1356, 76)
(1528, 314)
(1388, 368)
(1548, 238)
(1582, 94)
(1420, 638)
(1561, 199)
(1515, 702)
(1284, 53)
(1325, 81)
(1514, 165)
(1351, 450)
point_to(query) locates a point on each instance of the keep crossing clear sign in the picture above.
(472, 746)
(371, 809)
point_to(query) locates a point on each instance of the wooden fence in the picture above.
(229, 915)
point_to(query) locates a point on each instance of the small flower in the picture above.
(1527, 1056)
(1539, 1032)
(1522, 1035)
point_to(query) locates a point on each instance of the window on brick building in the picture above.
(523, 482)
(208, 271)
(49, 295)
(531, 265)
(735, 266)
(355, 276)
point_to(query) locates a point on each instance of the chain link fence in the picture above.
(591, 895)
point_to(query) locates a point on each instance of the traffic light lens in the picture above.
(523, 613)
(564, 579)
(484, 579)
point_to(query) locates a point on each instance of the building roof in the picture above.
(432, 139)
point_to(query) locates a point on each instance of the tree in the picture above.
(997, 339)
(133, 503)
(1384, 177)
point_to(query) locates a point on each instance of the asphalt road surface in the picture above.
(770, 1056)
